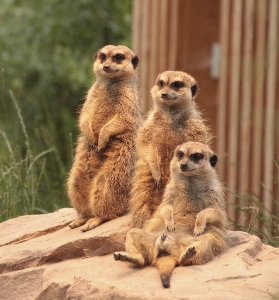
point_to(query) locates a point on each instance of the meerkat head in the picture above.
(174, 88)
(193, 159)
(118, 62)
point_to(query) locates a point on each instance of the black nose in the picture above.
(106, 68)
(183, 167)
(164, 96)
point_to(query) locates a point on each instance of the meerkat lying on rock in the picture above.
(173, 120)
(189, 226)
(99, 182)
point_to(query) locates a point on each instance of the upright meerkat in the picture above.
(99, 182)
(173, 120)
(194, 196)
(191, 222)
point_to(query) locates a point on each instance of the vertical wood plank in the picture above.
(145, 40)
(258, 96)
(269, 129)
(136, 26)
(246, 101)
(234, 102)
(163, 36)
(155, 34)
(223, 86)
(173, 33)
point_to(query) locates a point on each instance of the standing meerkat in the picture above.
(191, 222)
(173, 120)
(99, 182)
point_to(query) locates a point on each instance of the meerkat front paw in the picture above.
(199, 230)
(170, 226)
(103, 140)
(157, 177)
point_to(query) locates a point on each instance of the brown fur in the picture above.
(144, 248)
(173, 120)
(190, 224)
(100, 179)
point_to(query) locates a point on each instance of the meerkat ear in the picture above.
(213, 160)
(135, 61)
(194, 89)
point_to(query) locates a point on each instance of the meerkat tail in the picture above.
(166, 265)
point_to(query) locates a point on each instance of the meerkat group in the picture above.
(162, 171)
(173, 120)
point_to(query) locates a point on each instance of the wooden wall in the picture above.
(242, 105)
(248, 97)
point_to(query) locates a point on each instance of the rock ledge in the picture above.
(42, 258)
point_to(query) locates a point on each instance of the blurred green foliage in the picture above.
(46, 55)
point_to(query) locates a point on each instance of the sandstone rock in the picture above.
(42, 258)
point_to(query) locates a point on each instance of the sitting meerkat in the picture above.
(173, 120)
(194, 196)
(143, 248)
(99, 182)
(189, 226)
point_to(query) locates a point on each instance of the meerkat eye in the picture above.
(180, 154)
(103, 56)
(196, 157)
(119, 57)
(177, 84)
(161, 83)
(194, 90)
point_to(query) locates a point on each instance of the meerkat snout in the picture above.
(164, 95)
(106, 68)
(183, 167)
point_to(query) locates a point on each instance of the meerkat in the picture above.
(194, 195)
(99, 182)
(173, 120)
(191, 222)
(143, 248)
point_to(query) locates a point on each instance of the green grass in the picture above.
(32, 173)
(258, 219)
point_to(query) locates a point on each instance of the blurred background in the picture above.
(229, 46)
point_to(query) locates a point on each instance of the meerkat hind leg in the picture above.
(190, 252)
(78, 222)
(92, 223)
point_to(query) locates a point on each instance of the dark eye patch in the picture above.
(180, 154)
(177, 84)
(119, 57)
(196, 157)
(161, 83)
(103, 57)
